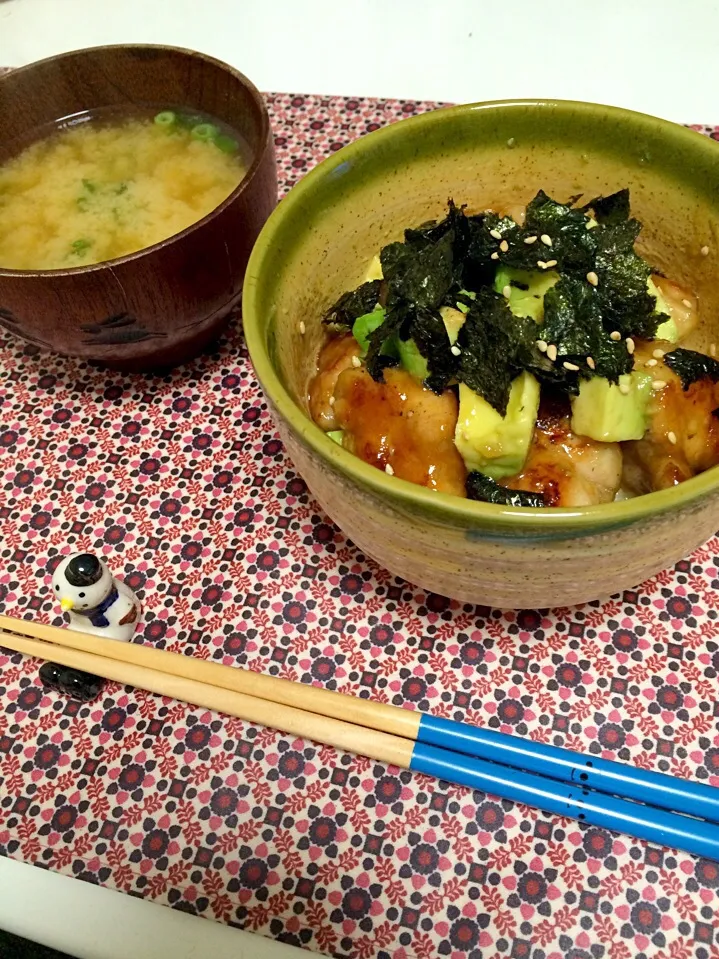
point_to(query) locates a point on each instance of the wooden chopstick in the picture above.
(390, 749)
(655, 825)
(389, 719)
(613, 778)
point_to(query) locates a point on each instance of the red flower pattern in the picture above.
(183, 485)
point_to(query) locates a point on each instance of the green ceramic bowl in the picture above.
(488, 155)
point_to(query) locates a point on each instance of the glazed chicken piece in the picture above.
(683, 435)
(335, 357)
(402, 427)
(568, 470)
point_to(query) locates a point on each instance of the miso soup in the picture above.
(113, 185)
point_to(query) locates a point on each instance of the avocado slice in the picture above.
(409, 356)
(668, 329)
(374, 270)
(453, 320)
(527, 290)
(492, 444)
(603, 412)
(366, 324)
(411, 359)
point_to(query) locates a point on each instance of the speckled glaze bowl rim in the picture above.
(265, 138)
(401, 493)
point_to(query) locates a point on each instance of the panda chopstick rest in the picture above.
(96, 601)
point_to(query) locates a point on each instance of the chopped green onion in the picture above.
(204, 132)
(80, 247)
(166, 119)
(226, 144)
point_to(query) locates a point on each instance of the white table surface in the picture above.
(653, 55)
(658, 56)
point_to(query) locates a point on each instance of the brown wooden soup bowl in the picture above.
(160, 306)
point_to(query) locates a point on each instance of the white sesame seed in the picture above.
(615, 335)
(494, 256)
(592, 278)
(356, 362)
(510, 142)
(410, 413)
(546, 239)
(658, 384)
(687, 303)
(572, 367)
(658, 354)
(332, 401)
(388, 470)
(550, 263)
(624, 389)
(504, 246)
(630, 345)
(455, 350)
(552, 352)
(542, 346)
(704, 251)
(712, 349)
(651, 363)
(496, 234)
(591, 364)
(303, 328)
(541, 264)
(672, 437)
(530, 239)
(507, 291)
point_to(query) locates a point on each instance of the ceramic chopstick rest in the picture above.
(97, 603)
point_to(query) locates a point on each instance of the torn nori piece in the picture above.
(496, 346)
(390, 255)
(691, 366)
(610, 209)
(419, 276)
(573, 246)
(430, 335)
(354, 304)
(627, 305)
(479, 267)
(573, 323)
(485, 489)
(430, 233)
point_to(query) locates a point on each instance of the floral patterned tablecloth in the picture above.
(183, 484)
